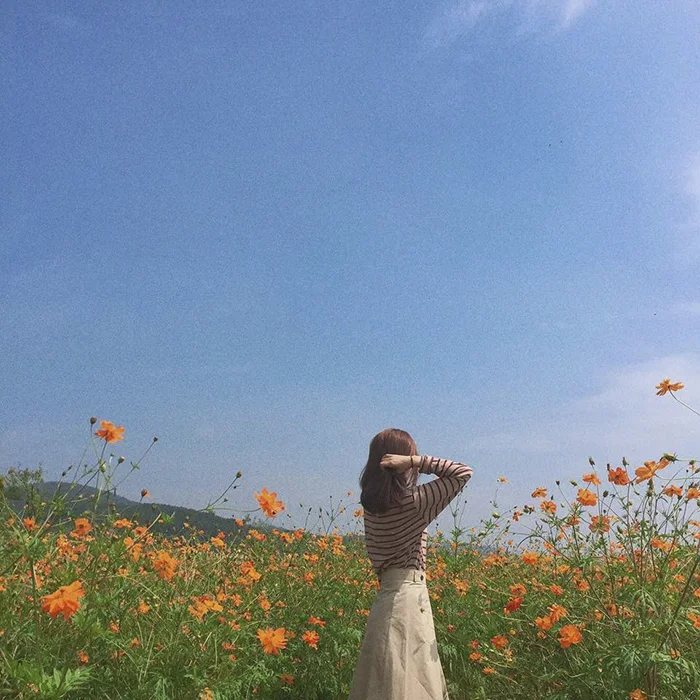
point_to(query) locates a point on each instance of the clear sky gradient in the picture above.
(264, 232)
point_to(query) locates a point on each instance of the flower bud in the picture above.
(591, 462)
(120, 460)
(93, 420)
(239, 475)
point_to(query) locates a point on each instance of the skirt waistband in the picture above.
(395, 574)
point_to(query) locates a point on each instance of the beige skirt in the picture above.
(399, 655)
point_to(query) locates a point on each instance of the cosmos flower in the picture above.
(64, 601)
(273, 640)
(110, 432)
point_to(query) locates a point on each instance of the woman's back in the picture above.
(397, 537)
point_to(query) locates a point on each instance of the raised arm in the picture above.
(432, 498)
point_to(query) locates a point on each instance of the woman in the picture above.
(399, 657)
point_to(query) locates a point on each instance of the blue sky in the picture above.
(265, 234)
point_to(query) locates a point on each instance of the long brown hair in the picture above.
(383, 488)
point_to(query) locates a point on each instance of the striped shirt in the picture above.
(398, 537)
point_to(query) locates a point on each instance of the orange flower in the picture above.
(83, 657)
(247, 568)
(316, 621)
(499, 641)
(637, 694)
(145, 493)
(673, 490)
(539, 492)
(517, 589)
(311, 638)
(269, 503)
(592, 478)
(475, 656)
(164, 565)
(618, 476)
(665, 385)
(649, 469)
(287, 679)
(568, 635)
(695, 619)
(692, 492)
(544, 623)
(548, 506)
(29, 523)
(110, 432)
(586, 497)
(488, 670)
(64, 601)
(530, 558)
(272, 640)
(556, 612)
(600, 524)
(81, 527)
(512, 605)
(502, 480)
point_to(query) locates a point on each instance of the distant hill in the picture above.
(77, 500)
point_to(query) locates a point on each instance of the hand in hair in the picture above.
(399, 463)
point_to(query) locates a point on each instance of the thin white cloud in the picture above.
(67, 23)
(456, 21)
(626, 417)
(461, 18)
(686, 308)
(687, 245)
(573, 9)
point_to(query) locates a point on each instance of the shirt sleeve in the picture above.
(432, 498)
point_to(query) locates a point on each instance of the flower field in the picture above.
(590, 590)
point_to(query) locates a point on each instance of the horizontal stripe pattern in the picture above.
(398, 537)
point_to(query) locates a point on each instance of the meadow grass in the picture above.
(591, 590)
